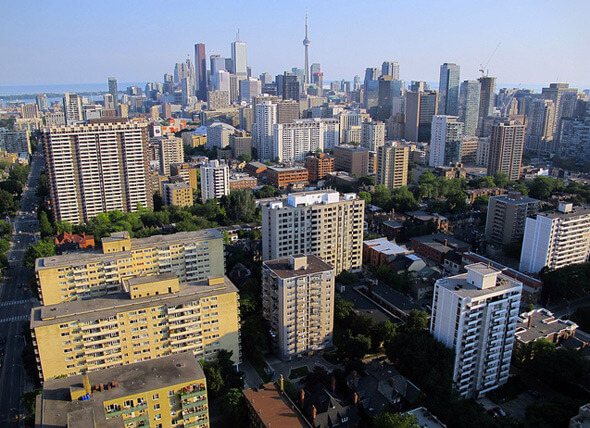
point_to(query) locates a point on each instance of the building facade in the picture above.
(298, 302)
(189, 255)
(506, 145)
(556, 239)
(155, 318)
(392, 165)
(507, 216)
(475, 314)
(352, 159)
(214, 180)
(373, 135)
(98, 167)
(293, 141)
(323, 223)
(446, 141)
(129, 396)
(448, 89)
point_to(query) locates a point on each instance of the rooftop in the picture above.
(283, 268)
(58, 410)
(479, 281)
(575, 212)
(100, 307)
(383, 245)
(136, 244)
(273, 408)
(426, 419)
(540, 324)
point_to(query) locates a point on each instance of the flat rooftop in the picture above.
(458, 284)
(383, 245)
(426, 419)
(136, 244)
(521, 200)
(576, 212)
(542, 324)
(273, 408)
(58, 410)
(282, 268)
(99, 307)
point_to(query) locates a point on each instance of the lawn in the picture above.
(298, 372)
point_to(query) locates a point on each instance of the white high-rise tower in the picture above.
(306, 43)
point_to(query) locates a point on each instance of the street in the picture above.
(16, 301)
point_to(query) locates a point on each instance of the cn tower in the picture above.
(306, 43)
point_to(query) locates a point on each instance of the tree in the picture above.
(265, 191)
(63, 226)
(45, 227)
(544, 187)
(356, 347)
(245, 157)
(381, 196)
(43, 248)
(417, 320)
(215, 382)
(366, 196)
(240, 206)
(367, 180)
(7, 204)
(234, 405)
(403, 200)
(501, 179)
(396, 420)
(342, 308)
(347, 278)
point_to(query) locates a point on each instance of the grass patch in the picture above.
(298, 372)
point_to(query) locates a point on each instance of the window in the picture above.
(156, 407)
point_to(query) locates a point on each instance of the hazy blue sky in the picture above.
(53, 42)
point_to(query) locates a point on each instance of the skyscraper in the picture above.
(291, 85)
(420, 108)
(373, 135)
(487, 96)
(555, 239)
(540, 127)
(470, 95)
(306, 43)
(201, 71)
(323, 223)
(98, 167)
(506, 146)
(42, 102)
(557, 92)
(392, 165)
(293, 141)
(239, 58)
(448, 89)
(113, 89)
(214, 180)
(72, 108)
(390, 68)
(298, 302)
(446, 139)
(262, 129)
(475, 315)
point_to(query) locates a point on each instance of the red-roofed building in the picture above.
(269, 407)
(82, 241)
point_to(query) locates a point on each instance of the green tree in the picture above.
(265, 191)
(367, 180)
(63, 226)
(215, 384)
(501, 179)
(45, 227)
(240, 206)
(43, 248)
(403, 200)
(233, 404)
(544, 187)
(417, 320)
(396, 420)
(356, 347)
(245, 157)
(7, 203)
(342, 308)
(366, 196)
(381, 196)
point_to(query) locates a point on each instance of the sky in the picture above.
(60, 42)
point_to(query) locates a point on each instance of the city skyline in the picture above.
(345, 42)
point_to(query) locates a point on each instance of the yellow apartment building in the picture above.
(166, 392)
(190, 255)
(155, 317)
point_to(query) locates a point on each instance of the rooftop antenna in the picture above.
(238, 35)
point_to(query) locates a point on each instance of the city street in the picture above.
(16, 301)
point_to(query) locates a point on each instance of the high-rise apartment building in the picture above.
(166, 151)
(392, 165)
(507, 216)
(291, 86)
(73, 108)
(113, 90)
(506, 147)
(128, 396)
(540, 127)
(189, 255)
(420, 108)
(239, 58)
(469, 101)
(298, 302)
(287, 111)
(448, 89)
(475, 314)
(487, 97)
(201, 71)
(293, 141)
(390, 68)
(14, 141)
(41, 100)
(97, 167)
(373, 135)
(249, 88)
(322, 223)
(556, 238)
(352, 159)
(29, 111)
(217, 100)
(155, 317)
(177, 193)
(446, 140)
(262, 129)
(214, 180)
(186, 171)
(560, 93)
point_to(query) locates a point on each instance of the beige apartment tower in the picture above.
(506, 147)
(507, 216)
(97, 167)
(392, 165)
(189, 255)
(155, 317)
(323, 223)
(166, 392)
(298, 302)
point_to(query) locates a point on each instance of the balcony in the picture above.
(193, 413)
(145, 418)
(197, 423)
(186, 405)
(115, 413)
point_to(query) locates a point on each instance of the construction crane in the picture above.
(483, 67)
